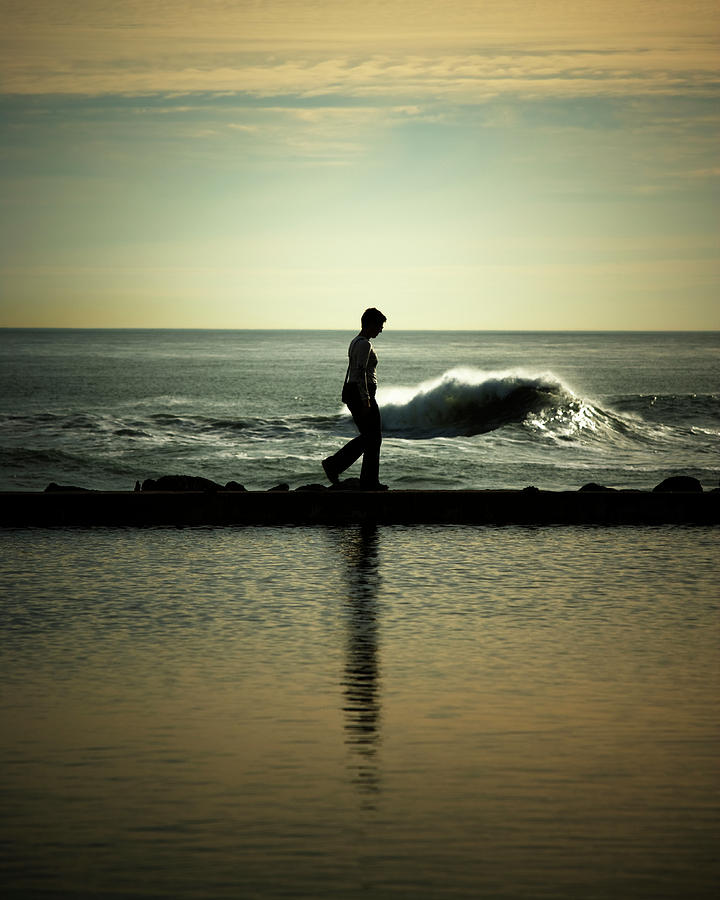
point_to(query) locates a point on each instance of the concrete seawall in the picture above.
(192, 508)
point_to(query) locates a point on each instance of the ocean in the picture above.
(104, 409)
(435, 712)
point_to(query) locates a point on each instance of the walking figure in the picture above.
(359, 396)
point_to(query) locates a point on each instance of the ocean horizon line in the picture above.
(158, 328)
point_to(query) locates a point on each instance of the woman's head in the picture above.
(373, 320)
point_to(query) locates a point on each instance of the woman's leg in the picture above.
(371, 431)
(352, 451)
(366, 444)
(346, 456)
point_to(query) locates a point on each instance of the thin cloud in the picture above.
(713, 172)
(461, 79)
(239, 126)
(332, 134)
(408, 49)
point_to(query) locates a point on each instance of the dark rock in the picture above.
(348, 484)
(531, 489)
(311, 487)
(235, 486)
(280, 487)
(137, 486)
(355, 484)
(682, 483)
(63, 487)
(592, 486)
(181, 483)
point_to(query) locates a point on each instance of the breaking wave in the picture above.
(469, 401)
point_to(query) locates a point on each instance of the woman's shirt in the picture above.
(363, 363)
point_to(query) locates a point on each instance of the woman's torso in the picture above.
(363, 365)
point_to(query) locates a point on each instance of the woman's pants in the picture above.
(366, 444)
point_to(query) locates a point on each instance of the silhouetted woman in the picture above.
(359, 396)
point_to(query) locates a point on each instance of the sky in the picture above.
(506, 164)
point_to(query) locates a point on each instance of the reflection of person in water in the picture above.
(359, 395)
(361, 679)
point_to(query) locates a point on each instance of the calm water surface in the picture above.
(446, 712)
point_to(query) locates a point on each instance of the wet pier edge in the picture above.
(338, 507)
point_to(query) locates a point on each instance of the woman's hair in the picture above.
(372, 316)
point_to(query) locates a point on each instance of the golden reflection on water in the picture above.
(361, 682)
(332, 713)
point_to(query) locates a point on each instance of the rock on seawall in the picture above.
(188, 483)
(188, 502)
(678, 483)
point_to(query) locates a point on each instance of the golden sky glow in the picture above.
(282, 164)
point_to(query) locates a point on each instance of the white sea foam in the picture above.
(472, 401)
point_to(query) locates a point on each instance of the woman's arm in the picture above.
(359, 358)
